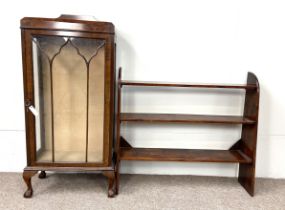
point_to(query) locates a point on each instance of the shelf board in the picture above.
(171, 84)
(184, 118)
(184, 155)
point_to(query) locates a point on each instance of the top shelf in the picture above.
(170, 84)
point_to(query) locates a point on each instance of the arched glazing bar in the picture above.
(87, 62)
(68, 40)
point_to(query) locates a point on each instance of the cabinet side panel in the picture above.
(109, 100)
(28, 96)
(24, 64)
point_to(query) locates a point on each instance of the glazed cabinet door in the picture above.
(70, 99)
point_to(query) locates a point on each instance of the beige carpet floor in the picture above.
(89, 191)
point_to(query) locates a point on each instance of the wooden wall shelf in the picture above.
(184, 118)
(171, 84)
(185, 155)
(243, 152)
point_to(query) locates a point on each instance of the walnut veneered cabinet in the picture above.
(69, 81)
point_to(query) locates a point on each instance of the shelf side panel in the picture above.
(249, 135)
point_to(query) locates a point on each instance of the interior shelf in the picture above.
(170, 84)
(186, 155)
(185, 118)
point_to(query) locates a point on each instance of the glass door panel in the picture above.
(69, 98)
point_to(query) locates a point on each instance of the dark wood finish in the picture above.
(242, 152)
(28, 98)
(69, 26)
(111, 180)
(184, 118)
(185, 155)
(110, 112)
(124, 143)
(248, 140)
(42, 175)
(169, 84)
(27, 175)
(118, 135)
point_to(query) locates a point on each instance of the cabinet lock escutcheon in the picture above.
(28, 102)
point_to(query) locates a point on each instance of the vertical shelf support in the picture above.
(248, 141)
(118, 134)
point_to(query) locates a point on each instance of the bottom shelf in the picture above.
(185, 155)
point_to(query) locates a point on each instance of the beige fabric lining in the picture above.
(69, 91)
(69, 156)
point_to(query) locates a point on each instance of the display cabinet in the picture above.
(69, 67)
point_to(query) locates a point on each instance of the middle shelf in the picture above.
(184, 118)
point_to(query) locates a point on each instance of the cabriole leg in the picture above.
(42, 175)
(111, 180)
(27, 175)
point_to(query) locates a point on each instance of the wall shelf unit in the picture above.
(243, 152)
